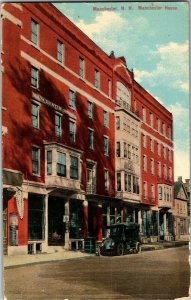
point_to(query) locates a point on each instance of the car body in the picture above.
(122, 239)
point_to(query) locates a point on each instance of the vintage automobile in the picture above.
(122, 239)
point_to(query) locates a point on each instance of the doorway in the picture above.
(56, 226)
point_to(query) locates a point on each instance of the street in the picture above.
(161, 274)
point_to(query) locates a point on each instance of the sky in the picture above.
(155, 43)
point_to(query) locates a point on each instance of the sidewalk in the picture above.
(19, 260)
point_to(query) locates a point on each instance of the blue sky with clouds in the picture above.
(155, 44)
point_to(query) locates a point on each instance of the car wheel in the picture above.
(120, 249)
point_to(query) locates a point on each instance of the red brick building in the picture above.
(62, 101)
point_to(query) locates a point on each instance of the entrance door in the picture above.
(56, 227)
(161, 223)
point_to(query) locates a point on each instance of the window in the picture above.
(144, 141)
(109, 88)
(163, 128)
(72, 99)
(35, 161)
(126, 181)
(90, 110)
(159, 125)
(137, 155)
(118, 181)
(152, 192)
(135, 105)
(61, 164)
(125, 150)
(97, 79)
(118, 149)
(134, 185)
(60, 51)
(106, 176)
(164, 152)
(170, 173)
(145, 163)
(152, 166)
(35, 115)
(152, 145)
(165, 171)
(106, 146)
(160, 192)
(133, 153)
(82, 68)
(106, 119)
(73, 167)
(129, 184)
(36, 224)
(159, 169)
(159, 149)
(151, 120)
(49, 162)
(35, 32)
(34, 77)
(91, 139)
(72, 132)
(58, 125)
(129, 151)
(144, 114)
(145, 189)
(170, 155)
(117, 122)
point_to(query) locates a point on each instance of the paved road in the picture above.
(161, 274)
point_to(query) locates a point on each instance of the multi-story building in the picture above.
(156, 165)
(73, 130)
(181, 216)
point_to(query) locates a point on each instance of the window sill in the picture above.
(36, 46)
(35, 88)
(82, 79)
(36, 175)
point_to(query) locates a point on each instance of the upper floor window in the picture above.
(91, 139)
(152, 166)
(144, 162)
(118, 181)
(159, 149)
(35, 115)
(97, 79)
(34, 77)
(82, 68)
(145, 189)
(72, 99)
(160, 192)
(90, 110)
(118, 149)
(152, 191)
(117, 122)
(144, 141)
(72, 131)
(165, 171)
(34, 32)
(159, 125)
(164, 152)
(144, 114)
(49, 162)
(58, 125)
(73, 167)
(129, 151)
(159, 169)
(151, 120)
(106, 178)
(61, 164)
(109, 88)
(106, 119)
(35, 161)
(125, 149)
(60, 51)
(163, 128)
(152, 145)
(170, 155)
(170, 173)
(106, 145)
